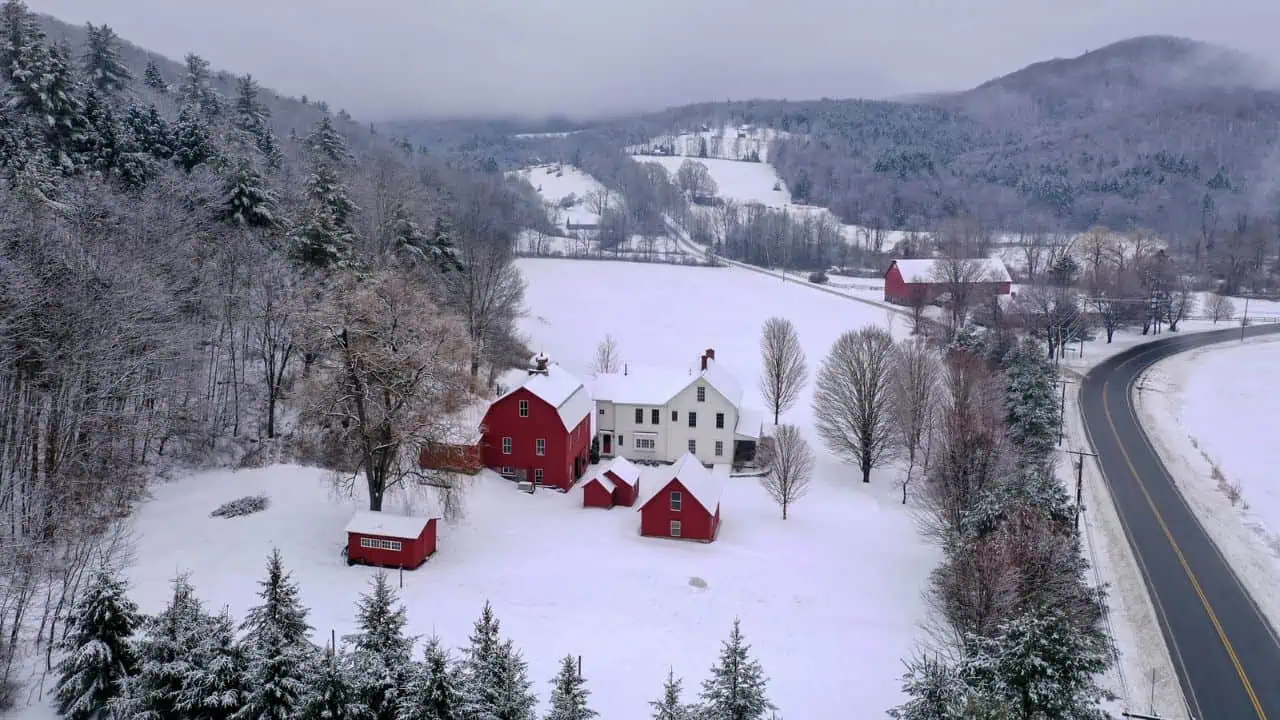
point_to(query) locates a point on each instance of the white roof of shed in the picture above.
(625, 469)
(695, 478)
(368, 522)
(921, 270)
(605, 482)
(562, 391)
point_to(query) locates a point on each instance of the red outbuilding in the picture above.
(908, 282)
(458, 448)
(376, 538)
(618, 484)
(541, 430)
(685, 505)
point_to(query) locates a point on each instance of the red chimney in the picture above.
(708, 355)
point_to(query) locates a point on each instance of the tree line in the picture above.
(190, 663)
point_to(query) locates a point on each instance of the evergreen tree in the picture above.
(103, 67)
(248, 202)
(215, 688)
(671, 707)
(436, 250)
(494, 680)
(103, 145)
(196, 90)
(327, 144)
(1031, 402)
(252, 118)
(330, 694)
(41, 88)
(937, 691)
(513, 690)
(431, 692)
(325, 236)
(381, 652)
(98, 654)
(276, 645)
(737, 686)
(150, 132)
(192, 141)
(167, 652)
(19, 31)
(153, 78)
(569, 694)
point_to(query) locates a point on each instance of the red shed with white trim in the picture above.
(399, 541)
(617, 484)
(685, 506)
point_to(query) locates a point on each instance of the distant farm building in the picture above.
(540, 431)
(398, 541)
(571, 226)
(458, 447)
(617, 484)
(925, 281)
(684, 505)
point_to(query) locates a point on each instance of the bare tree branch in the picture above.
(852, 402)
(790, 468)
(785, 371)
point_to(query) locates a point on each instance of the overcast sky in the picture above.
(388, 58)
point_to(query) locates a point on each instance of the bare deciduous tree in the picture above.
(274, 332)
(852, 401)
(393, 360)
(785, 371)
(608, 356)
(598, 201)
(790, 467)
(1219, 307)
(694, 178)
(916, 384)
(486, 291)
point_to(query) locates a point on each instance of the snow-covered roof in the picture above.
(921, 270)
(605, 482)
(367, 522)
(694, 477)
(562, 391)
(656, 385)
(750, 422)
(626, 470)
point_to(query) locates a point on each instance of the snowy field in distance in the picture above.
(743, 182)
(557, 182)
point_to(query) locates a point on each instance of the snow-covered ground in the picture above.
(740, 181)
(556, 183)
(1211, 415)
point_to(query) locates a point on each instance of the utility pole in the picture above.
(1062, 408)
(1080, 480)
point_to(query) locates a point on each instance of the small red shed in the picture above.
(617, 484)
(598, 492)
(685, 506)
(922, 280)
(399, 541)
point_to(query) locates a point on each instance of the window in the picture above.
(693, 419)
(675, 415)
(676, 501)
(655, 417)
(620, 441)
(601, 411)
(639, 416)
(646, 443)
(675, 528)
(702, 393)
(524, 408)
(537, 476)
(540, 446)
(693, 446)
(719, 421)
(506, 446)
(719, 448)
(380, 544)
(508, 471)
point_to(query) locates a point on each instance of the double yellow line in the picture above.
(1182, 560)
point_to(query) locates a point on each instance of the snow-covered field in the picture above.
(555, 183)
(1211, 415)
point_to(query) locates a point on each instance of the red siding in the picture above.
(454, 458)
(594, 494)
(412, 553)
(900, 292)
(624, 494)
(696, 522)
(566, 455)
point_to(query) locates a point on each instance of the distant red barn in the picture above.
(618, 484)
(459, 449)
(924, 280)
(376, 538)
(685, 506)
(541, 430)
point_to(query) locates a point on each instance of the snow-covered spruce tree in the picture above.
(431, 692)
(252, 117)
(671, 706)
(330, 693)
(192, 139)
(514, 695)
(737, 687)
(569, 693)
(103, 143)
(153, 78)
(41, 87)
(436, 250)
(149, 131)
(1031, 402)
(325, 237)
(248, 202)
(277, 649)
(103, 68)
(493, 677)
(195, 89)
(167, 651)
(215, 688)
(939, 691)
(380, 652)
(327, 144)
(98, 654)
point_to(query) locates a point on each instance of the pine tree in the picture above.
(325, 236)
(513, 690)
(101, 60)
(494, 677)
(671, 707)
(436, 250)
(736, 689)
(196, 90)
(569, 694)
(327, 144)
(103, 145)
(381, 652)
(150, 132)
(153, 78)
(248, 201)
(330, 694)
(98, 654)
(1030, 401)
(431, 692)
(167, 652)
(192, 140)
(41, 88)
(275, 642)
(215, 688)
(19, 30)
(937, 691)
(252, 118)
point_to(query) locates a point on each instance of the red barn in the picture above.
(541, 430)
(458, 449)
(686, 506)
(375, 538)
(618, 484)
(907, 282)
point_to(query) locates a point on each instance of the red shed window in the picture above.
(540, 446)
(676, 500)
(524, 408)
(675, 528)
(380, 544)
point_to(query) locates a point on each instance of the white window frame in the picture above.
(507, 445)
(676, 501)
(702, 393)
(537, 476)
(540, 446)
(646, 442)
(639, 413)
(719, 448)
(675, 529)
(524, 408)
(380, 544)
(507, 470)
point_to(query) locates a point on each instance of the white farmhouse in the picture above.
(659, 414)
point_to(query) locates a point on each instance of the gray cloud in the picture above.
(385, 58)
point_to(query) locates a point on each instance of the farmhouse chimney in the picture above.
(710, 354)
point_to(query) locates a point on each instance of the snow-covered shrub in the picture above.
(247, 505)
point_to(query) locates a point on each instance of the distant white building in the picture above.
(660, 413)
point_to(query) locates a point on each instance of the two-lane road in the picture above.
(1225, 652)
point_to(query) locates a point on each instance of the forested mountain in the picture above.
(197, 270)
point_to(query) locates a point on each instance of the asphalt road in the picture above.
(1226, 654)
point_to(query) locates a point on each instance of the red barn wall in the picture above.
(624, 494)
(595, 495)
(412, 554)
(567, 452)
(696, 523)
(895, 290)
